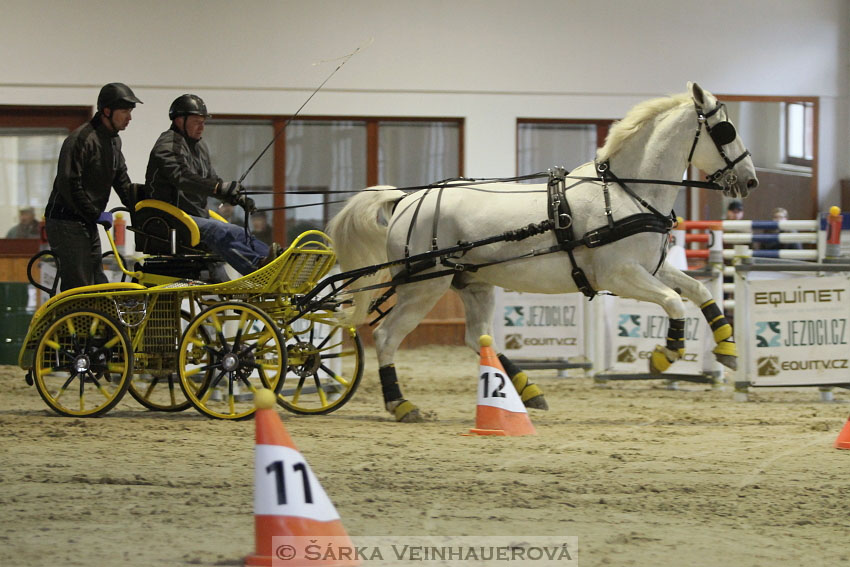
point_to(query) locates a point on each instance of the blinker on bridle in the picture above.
(721, 134)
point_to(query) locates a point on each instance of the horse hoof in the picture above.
(659, 361)
(729, 361)
(532, 396)
(537, 402)
(405, 411)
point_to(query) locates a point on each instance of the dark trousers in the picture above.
(77, 247)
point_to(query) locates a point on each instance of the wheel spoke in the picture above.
(151, 386)
(334, 375)
(321, 393)
(298, 388)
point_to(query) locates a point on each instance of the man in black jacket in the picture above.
(90, 163)
(179, 172)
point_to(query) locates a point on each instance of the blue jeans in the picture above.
(239, 248)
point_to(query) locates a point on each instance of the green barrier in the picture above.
(14, 320)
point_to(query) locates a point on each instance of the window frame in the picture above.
(794, 160)
(705, 196)
(38, 117)
(69, 117)
(372, 123)
(602, 127)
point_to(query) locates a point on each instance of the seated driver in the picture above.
(179, 172)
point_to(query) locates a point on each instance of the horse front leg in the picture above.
(413, 302)
(478, 304)
(725, 350)
(636, 282)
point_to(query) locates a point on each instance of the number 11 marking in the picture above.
(280, 480)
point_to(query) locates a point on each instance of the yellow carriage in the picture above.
(208, 345)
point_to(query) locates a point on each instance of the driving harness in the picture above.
(721, 134)
(560, 216)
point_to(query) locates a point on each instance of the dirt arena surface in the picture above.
(640, 474)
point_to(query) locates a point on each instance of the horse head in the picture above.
(717, 147)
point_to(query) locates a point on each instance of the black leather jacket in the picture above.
(90, 163)
(179, 172)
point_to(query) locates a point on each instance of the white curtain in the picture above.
(28, 160)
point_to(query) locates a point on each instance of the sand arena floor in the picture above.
(640, 474)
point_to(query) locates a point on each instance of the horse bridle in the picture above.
(721, 134)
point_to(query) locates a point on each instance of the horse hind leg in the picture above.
(478, 304)
(531, 394)
(725, 349)
(413, 301)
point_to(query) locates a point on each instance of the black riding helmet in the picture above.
(116, 96)
(187, 104)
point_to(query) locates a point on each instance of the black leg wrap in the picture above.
(710, 310)
(719, 325)
(389, 383)
(676, 334)
(511, 368)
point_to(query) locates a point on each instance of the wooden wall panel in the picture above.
(444, 325)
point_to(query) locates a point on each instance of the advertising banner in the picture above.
(634, 328)
(798, 331)
(539, 325)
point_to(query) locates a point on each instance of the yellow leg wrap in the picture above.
(722, 333)
(520, 381)
(530, 391)
(726, 347)
(659, 361)
(406, 411)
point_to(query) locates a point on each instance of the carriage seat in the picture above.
(162, 228)
(171, 239)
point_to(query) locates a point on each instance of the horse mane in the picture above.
(634, 120)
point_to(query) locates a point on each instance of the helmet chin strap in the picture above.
(109, 119)
(183, 130)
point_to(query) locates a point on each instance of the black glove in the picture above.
(229, 192)
(246, 203)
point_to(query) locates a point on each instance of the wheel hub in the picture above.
(305, 359)
(230, 362)
(81, 363)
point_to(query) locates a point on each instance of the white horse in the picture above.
(657, 140)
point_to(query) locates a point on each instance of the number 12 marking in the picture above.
(497, 391)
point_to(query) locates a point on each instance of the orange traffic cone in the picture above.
(500, 410)
(295, 523)
(843, 441)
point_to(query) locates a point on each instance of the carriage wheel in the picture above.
(228, 352)
(83, 364)
(325, 364)
(161, 392)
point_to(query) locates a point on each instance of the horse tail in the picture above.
(359, 233)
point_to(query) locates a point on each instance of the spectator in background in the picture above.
(27, 226)
(780, 214)
(735, 210)
(260, 227)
